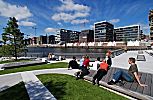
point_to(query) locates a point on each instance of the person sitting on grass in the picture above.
(102, 71)
(81, 62)
(85, 69)
(129, 76)
(73, 64)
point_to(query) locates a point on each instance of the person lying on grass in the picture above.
(102, 71)
(129, 76)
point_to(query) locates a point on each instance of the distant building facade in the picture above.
(151, 24)
(69, 36)
(57, 37)
(43, 39)
(103, 31)
(51, 39)
(86, 36)
(128, 33)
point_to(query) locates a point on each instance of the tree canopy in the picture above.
(13, 39)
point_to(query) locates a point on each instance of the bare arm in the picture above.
(138, 79)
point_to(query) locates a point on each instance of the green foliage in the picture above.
(12, 39)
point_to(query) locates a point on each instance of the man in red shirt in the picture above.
(102, 71)
(84, 70)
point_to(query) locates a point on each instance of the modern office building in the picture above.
(51, 39)
(43, 39)
(151, 24)
(103, 31)
(128, 33)
(69, 36)
(74, 36)
(57, 37)
(86, 36)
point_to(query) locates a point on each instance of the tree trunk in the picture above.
(15, 49)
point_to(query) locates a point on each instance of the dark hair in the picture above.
(98, 58)
(87, 57)
(74, 57)
(132, 59)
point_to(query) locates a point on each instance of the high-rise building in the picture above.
(51, 39)
(69, 36)
(128, 33)
(86, 36)
(57, 37)
(74, 36)
(151, 24)
(103, 31)
(43, 39)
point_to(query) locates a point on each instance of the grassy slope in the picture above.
(37, 67)
(65, 87)
(17, 92)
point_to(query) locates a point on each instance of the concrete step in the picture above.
(35, 89)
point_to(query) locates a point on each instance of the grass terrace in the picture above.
(36, 67)
(65, 87)
(17, 92)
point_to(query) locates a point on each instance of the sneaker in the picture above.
(111, 82)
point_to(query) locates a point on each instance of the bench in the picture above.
(141, 57)
(129, 88)
(21, 64)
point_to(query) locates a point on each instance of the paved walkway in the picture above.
(121, 61)
(36, 90)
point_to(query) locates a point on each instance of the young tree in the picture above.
(13, 38)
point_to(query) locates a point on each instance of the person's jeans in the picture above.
(122, 75)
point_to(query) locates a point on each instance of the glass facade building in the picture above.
(103, 31)
(69, 36)
(151, 24)
(86, 36)
(127, 33)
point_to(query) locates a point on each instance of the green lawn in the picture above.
(65, 87)
(9, 61)
(36, 67)
(17, 92)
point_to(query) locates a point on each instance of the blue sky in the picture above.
(48, 16)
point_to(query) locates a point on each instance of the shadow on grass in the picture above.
(17, 92)
(58, 89)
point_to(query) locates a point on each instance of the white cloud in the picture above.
(79, 21)
(8, 10)
(70, 12)
(63, 16)
(68, 17)
(91, 26)
(69, 5)
(144, 26)
(113, 21)
(27, 23)
(49, 30)
(60, 24)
